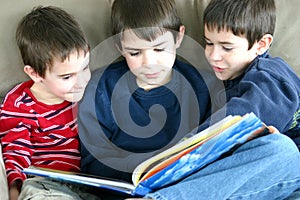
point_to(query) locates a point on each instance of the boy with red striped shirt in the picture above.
(38, 123)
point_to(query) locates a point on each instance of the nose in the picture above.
(214, 53)
(83, 78)
(149, 57)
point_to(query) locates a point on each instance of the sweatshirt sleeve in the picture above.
(271, 97)
(94, 143)
(273, 100)
(16, 152)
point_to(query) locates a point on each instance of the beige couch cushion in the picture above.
(94, 16)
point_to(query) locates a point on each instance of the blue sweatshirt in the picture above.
(270, 89)
(121, 125)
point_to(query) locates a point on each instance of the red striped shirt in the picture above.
(33, 133)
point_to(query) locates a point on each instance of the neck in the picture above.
(42, 95)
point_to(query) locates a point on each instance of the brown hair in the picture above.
(48, 33)
(251, 18)
(146, 18)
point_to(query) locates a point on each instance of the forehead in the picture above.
(75, 61)
(222, 35)
(131, 40)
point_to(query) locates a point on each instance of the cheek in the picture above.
(206, 52)
(87, 76)
(63, 87)
(235, 59)
(167, 60)
(133, 63)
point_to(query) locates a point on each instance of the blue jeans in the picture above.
(265, 168)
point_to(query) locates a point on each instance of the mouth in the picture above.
(218, 69)
(152, 75)
(76, 92)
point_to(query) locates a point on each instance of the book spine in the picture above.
(141, 190)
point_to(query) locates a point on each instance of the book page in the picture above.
(247, 128)
(117, 185)
(207, 133)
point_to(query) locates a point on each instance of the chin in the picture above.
(220, 77)
(75, 98)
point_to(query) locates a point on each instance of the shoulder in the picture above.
(101, 85)
(195, 76)
(272, 69)
(275, 67)
(106, 74)
(17, 93)
(111, 72)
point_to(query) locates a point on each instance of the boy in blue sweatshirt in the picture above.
(135, 108)
(238, 35)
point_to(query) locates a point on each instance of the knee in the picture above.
(283, 149)
(274, 147)
(281, 143)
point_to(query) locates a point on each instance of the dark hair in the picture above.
(250, 18)
(146, 18)
(48, 33)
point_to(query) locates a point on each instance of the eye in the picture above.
(227, 48)
(134, 53)
(208, 43)
(159, 50)
(66, 77)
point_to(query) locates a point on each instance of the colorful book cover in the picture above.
(176, 163)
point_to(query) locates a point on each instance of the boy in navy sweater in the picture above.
(238, 35)
(135, 108)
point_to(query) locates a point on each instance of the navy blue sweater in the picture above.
(121, 125)
(270, 89)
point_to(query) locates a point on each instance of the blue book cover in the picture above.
(176, 163)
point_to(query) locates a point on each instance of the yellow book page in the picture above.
(172, 159)
(207, 133)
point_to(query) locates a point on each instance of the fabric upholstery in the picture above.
(94, 17)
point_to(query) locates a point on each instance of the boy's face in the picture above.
(66, 80)
(227, 53)
(151, 62)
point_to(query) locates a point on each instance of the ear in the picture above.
(264, 43)
(33, 74)
(180, 36)
(118, 48)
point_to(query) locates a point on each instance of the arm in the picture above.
(16, 153)
(265, 94)
(3, 179)
(14, 190)
(95, 145)
(105, 147)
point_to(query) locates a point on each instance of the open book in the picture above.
(177, 162)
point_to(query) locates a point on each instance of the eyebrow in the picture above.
(62, 75)
(135, 49)
(219, 42)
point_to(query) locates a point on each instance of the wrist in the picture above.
(17, 184)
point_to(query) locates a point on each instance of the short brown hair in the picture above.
(251, 18)
(146, 18)
(48, 33)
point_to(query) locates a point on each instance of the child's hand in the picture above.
(272, 129)
(13, 192)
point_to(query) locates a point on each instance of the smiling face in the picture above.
(65, 81)
(150, 61)
(227, 53)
